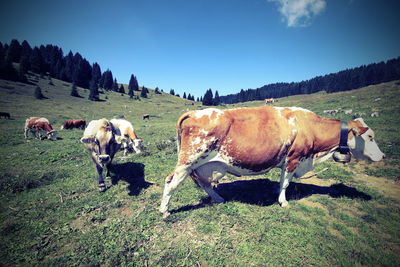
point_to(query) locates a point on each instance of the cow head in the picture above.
(362, 141)
(103, 145)
(137, 145)
(52, 135)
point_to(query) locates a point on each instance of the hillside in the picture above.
(52, 213)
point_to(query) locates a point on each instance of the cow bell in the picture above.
(341, 157)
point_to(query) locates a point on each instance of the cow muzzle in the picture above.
(104, 159)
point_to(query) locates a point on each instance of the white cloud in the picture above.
(299, 13)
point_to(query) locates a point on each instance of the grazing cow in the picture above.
(130, 140)
(269, 101)
(71, 124)
(103, 141)
(5, 115)
(251, 141)
(39, 127)
(375, 114)
(348, 111)
(146, 116)
(332, 112)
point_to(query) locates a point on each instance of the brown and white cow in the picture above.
(103, 141)
(130, 140)
(71, 124)
(39, 127)
(251, 141)
(269, 101)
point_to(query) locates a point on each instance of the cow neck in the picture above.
(327, 134)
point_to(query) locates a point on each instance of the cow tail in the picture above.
(179, 129)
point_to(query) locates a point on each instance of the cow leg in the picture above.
(102, 185)
(26, 132)
(171, 183)
(284, 183)
(207, 173)
(211, 192)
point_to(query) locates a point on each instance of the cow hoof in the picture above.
(165, 215)
(284, 204)
(102, 187)
(218, 200)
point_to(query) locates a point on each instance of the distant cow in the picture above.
(103, 141)
(5, 115)
(130, 140)
(71, 124)
(269, 101)
(348, 111)
(332, 112)
(40, 128)
(146, 116)
(251, 141)
(375, 114)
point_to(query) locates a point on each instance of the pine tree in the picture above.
(94, 93)
(208, 98)
(115, 86)
(96, 73)
(144, 92)
(189, 97)
(216, 100)
(198, 100)
(122, 89)
(74, 91)
(38, 93)
(184, 95)
(14, 51)
(36, 61)
(107, 80)
(133, 85)
(172, 92)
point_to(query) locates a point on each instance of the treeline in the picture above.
(50, 60)
(348, 79)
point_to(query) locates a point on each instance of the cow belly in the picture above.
(211, 172)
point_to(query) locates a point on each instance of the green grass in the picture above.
(52, 213)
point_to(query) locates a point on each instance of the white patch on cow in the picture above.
(279, 111)
(204, 132)
(42, 120)
(299, 109)
(196, 141)
(292, 121)
(208, 112)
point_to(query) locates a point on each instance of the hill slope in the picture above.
(53, 214)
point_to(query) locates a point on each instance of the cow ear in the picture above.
(87, 140)
(359, 130)
(118, 139)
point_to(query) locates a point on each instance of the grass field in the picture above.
(51, 212)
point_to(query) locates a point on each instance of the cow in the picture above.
(251, 141)
(130, 140)
(332, 112)
(6, 115)
(146, 116)
(269, 101)
(71, 124)
(103, 140)
(40, 128)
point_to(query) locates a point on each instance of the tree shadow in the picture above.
(132, 173)
(263, 192)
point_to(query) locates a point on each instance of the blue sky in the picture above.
(226, 45)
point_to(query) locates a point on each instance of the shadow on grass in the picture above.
(132, 173)
(264, 192)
